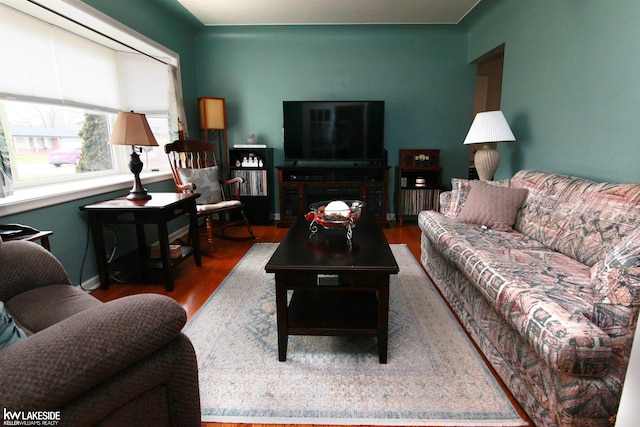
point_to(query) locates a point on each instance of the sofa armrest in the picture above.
(568, 342)
(26, 265)
(445, 201)
(57, 365)
(451, 202)
(618, 286)
(616, 278)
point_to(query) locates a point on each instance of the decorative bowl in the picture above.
(336, 213)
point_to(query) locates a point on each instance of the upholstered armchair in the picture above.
(123, 362)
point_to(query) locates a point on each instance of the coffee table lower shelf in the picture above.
(337, 313)
(333, 311)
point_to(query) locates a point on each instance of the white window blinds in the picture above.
(45, 63)
(144, 83)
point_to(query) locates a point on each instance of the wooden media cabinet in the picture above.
(302, 185)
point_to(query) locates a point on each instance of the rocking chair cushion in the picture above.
(207, 183)
(220, 206)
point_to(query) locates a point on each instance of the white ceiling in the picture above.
(301, 12)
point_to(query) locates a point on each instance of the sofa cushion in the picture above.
(437, 227)
(42, 307)
(561, 278)
(492, 206)
(579, 218)
(600, 221)
(10, 333)
(564, 338)
(545, 296)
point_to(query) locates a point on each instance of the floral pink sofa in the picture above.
(553, 304)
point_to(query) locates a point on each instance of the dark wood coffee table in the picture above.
(338, 289)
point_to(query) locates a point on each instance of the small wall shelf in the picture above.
(418, 182)
(255, 165)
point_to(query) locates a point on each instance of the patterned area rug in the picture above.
(434, 376)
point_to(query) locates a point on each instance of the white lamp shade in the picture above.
(132, 129)
(489, 126)
(212, 113)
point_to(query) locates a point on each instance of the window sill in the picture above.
(26, 199)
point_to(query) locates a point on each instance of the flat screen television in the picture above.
(333, 130)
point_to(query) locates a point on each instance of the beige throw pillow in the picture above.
(492, 206)
(460, 191)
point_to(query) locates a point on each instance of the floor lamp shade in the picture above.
(212, 113)
(488, 126)
(213, 117)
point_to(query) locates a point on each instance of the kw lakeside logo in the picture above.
(30, 418)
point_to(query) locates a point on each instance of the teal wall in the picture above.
(571, 88)
(421, 72)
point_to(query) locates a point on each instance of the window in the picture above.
(63, 77)
(52, 143)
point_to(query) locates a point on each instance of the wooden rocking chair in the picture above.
(195, 170)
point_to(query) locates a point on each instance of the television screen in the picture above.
(333, 130)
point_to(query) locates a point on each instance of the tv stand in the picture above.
(302, 185)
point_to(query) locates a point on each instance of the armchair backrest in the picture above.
(195, 169)
(192, 154)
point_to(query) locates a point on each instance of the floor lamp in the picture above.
(213, 117)
(487, 127)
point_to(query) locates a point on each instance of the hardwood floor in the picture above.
(193, 286)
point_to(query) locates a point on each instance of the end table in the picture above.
(159, 210)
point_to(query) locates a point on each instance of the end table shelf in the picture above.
(186, 252)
